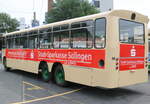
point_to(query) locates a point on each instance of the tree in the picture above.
(67, 9)
(7, 24)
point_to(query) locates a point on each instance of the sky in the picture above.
(25, 8)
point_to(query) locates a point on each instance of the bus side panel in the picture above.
(78, 74)
(19, 59)
(129, 77)
(80, 70)
(25, 65)
(108, 77)
(104, 78)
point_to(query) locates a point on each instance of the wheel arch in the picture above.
(40, 64)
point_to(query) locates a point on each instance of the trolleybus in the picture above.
(149, 49)
(101, 50)
(1, 40)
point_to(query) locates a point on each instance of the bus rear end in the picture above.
(132, 51)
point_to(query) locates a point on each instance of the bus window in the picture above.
(56, 36)
(10, 42)
(17, 42)
(3, 43)
(45, 39)
(82, 34)
(131, 32)
(100, 32)
(61, 37)
(64, 36)
(33, 40)
(23, 41)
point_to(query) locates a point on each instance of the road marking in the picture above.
(75, 101)
(48, 97)
(34, 87)
(29, 95)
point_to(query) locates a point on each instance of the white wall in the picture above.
(106, 5)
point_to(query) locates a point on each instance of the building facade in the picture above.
(103, 5)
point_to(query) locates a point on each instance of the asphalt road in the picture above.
(18, 87)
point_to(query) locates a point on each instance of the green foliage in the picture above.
(7, 24)
(67, 9)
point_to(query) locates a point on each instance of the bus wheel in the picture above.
(45, 73)
(59, 76)
(5, 65)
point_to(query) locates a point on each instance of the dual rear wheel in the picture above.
(57, 75)
(45, 73)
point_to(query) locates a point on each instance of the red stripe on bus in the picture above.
(77, 57)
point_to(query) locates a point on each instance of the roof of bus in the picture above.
(118, 13)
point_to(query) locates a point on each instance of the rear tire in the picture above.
(5, 65)
(45, 72)
(59, 76)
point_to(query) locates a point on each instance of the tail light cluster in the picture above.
(117, 63)
(146, 61)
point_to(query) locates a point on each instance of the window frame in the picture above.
(82, 27)
(105, 32)
(24, 35)
(134, 22)
(33, 33)
(58, 31)
(48, 31)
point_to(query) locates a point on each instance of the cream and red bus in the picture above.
(149, 49)
(0, 48)
(101, 50)
(1, 45)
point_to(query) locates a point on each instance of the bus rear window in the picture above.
(131, 32)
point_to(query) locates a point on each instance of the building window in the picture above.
(96, 3)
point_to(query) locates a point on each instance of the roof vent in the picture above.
(133, 16)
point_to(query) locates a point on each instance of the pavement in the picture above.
(18, 87)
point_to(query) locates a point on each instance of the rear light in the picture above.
(116, 68)
(117, 59)
(117, 63)
(146, 58)
(146, 61)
